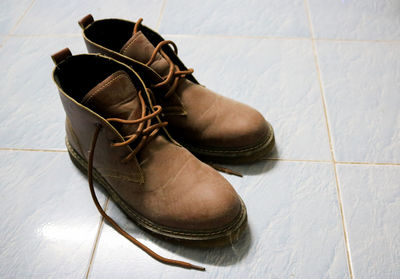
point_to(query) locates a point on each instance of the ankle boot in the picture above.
(212, 127)
(116, 136)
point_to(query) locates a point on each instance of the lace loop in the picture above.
(140, 130)
(174, 74)
(149, 132)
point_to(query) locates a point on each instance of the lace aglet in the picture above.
(225, 170)
(186, 265)
(235, 173)
(200, 268)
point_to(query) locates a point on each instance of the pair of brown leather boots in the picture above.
(118, 103)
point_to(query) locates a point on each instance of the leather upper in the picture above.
(164, 182)
(196, 115)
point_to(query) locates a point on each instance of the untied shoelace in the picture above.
(174, 74)
(147, 131)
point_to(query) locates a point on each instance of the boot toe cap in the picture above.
(251, 129)
(241, 127)
(208, 208)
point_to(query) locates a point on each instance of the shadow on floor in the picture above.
(262, 166)
(217, 256)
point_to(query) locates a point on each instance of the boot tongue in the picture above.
(115, 97)
(138, 47)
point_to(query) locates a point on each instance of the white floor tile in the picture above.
(49, 222)
(356, 19)
(362, 82)
(10, 12)
(33, 116)
(371, 200)
(53, 17)
(276, 18)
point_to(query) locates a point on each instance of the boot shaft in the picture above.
(74, 77)
(108, 36)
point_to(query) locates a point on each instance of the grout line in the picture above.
(320, 83)
(296, 160)
(275, 38)
(336, 162)
(355, 40)
(20, 19)
(161, 14)
(99, 230)
(323, 99)
(367, 163)
(207, 36)
(266, 159)
(232, 36)
(345, 233)
(31, 149)
(17, 23)
(45, 35)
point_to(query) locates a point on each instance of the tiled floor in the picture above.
(325, 73)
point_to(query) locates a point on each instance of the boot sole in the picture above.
(235, 156)
(223, 236)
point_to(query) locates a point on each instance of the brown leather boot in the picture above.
(211, 126)
(116, 136)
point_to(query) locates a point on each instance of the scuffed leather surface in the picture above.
(165, 182)
(108, 159)
(214, 121)
(197, 116)
(183, 192)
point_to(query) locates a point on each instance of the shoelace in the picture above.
(147, 134)
(174, 73)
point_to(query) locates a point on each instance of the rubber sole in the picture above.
(245, 155)
(223, 236)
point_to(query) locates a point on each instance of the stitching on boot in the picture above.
(120, 75)
(136, 179)
(144, 220)
(72, 132)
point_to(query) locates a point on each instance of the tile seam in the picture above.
(276, 38)
(323, 99)
(366, 163)
(31, 149)
(233, 36)
(296, 160)
(208, 36)
(21, 17)
(98, 234)
(264, 159)
(60, 35)
(12, 30)
(356, 41)
(160, 17)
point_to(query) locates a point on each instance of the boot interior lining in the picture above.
(114, 33)
(77, 75)
(110, 33)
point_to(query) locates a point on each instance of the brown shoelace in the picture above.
(147, 134)
(174, 73)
